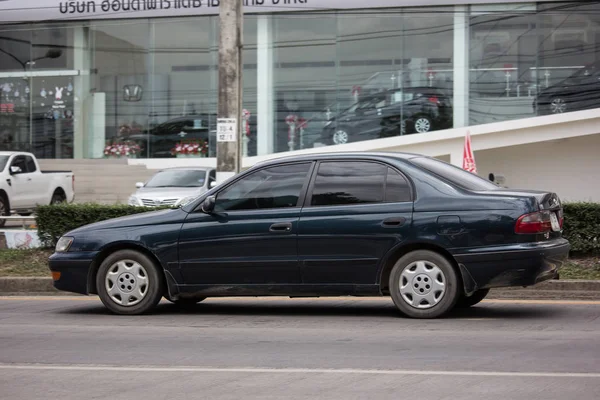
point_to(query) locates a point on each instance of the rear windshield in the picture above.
(458, 177)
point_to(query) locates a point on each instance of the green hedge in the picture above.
(582, 227)
(56, 220)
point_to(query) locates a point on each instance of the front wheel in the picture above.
(129, 283)
(424, 284)
(341, 136)
(478, 296)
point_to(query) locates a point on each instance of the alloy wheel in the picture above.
(126, 283)
(422, 284)
(558, 106)
(422, 125)
(340, 137)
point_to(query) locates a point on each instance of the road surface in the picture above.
(71, 348)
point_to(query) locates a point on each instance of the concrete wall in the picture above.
(569, 167)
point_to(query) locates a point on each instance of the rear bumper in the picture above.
(74, 271)
(514, 265)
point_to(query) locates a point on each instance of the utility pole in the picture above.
(229, 116)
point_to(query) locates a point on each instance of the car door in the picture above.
(39, 185)
(21, 184)
(251, 237)
(355, 212)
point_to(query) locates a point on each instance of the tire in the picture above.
(120, 275)
(4, 210)
(557, 106)
(466, 302)
(424, 284)
(422, 124)
(58, 198)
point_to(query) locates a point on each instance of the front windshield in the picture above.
(177, 178)
(3, 161)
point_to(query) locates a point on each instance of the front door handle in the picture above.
(393, 222)
(284, 227)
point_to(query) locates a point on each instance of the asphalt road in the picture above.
(71, 348)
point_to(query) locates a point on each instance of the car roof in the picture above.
(350, 155)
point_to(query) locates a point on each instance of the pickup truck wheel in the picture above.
(58, 198)
(4, 211)
(129, 283)
(424, 284)
(465, 302)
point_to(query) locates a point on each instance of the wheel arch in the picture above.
(114, 247)
(383, 275)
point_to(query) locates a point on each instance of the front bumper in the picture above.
(74, 270)
(515, 265)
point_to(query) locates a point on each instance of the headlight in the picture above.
(184, 201)
(134, 201)
(63, 244)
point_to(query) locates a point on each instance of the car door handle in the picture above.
(392, 222)
(281, 228)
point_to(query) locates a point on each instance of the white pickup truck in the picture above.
(23, 186)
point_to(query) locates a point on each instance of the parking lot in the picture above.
(72, 348)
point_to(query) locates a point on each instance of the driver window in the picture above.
(276, 187)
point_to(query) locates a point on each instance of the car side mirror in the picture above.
(15, 170)
(139, 185)
(208, 206)
(212, 184)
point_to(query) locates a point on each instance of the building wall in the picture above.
(569, 167)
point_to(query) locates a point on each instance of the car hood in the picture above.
(143, 219)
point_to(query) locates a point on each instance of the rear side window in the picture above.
(339, 183)
(397, 188)
(30, 164)
(19, 161)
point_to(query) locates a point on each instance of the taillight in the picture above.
(537, 222)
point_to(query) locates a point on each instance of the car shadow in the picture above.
(286, 308)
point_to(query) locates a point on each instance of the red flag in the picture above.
(468, 157)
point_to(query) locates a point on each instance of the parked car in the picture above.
(173, 187)
(430, 235)
(23, 186)
(580, 91)
(391, 113)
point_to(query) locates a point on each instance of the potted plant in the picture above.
(190, 148)
(125, 149)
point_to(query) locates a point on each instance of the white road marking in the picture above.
(108, 368)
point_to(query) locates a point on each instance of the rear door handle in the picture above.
(393, 222)
(284, 227)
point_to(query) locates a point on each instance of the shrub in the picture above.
(582, 227)
(56, 220)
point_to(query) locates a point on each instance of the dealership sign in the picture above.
(43, 10)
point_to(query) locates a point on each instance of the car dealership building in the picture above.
(85, 80)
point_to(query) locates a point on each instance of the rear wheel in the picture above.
(58, 198)
(4, 210)
(558, 106)
(422, 124)
(129, 283)
(424, 284)
(341, 136)
(465, 302)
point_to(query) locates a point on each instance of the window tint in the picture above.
(397, 188)
(454, 175)
(30, 164)
(348, 183)
(275, 187)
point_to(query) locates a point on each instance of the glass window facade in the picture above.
(147, 88)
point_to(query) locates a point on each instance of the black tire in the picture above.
(422, 124)
(58, 198)
(442, 304)
(154, 290)
(4, 209)
(466, 302)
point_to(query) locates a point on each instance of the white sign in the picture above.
(19, 239)
(45, 10)
(227, 130)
